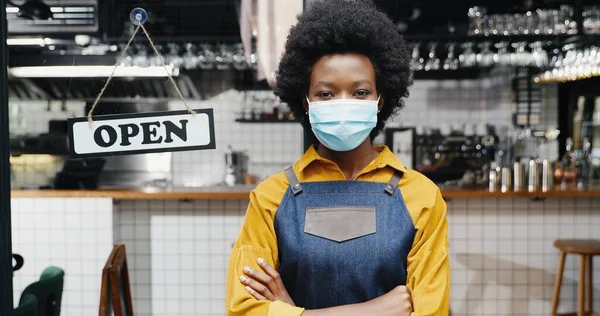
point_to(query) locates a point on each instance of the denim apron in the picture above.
(342, 242)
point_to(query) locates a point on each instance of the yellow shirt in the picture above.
(428, 265)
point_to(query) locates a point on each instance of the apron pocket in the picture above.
(340, 223)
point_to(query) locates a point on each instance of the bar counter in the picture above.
(242, 192)
(178, 244)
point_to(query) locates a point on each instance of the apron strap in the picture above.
(393, 183)
(293, 180)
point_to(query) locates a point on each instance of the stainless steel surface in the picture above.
(533, 176)
(547, 175)
(518, 176)
(236, 163)
(493, 180)
(135, 171)
(507, 179)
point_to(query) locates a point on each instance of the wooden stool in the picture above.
(586, 249)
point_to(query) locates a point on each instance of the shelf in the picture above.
(458, 74)
(265, 121)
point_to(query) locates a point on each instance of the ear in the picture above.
(380, 104)
(305, 103)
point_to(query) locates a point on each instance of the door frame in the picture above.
(6, 275)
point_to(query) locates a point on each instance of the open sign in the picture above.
(141, 133)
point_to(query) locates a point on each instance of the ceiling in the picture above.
(216, 20)
(175, 19)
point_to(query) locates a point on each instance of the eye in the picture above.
(324, 95)
(362, 93)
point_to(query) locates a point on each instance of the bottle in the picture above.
(584, 165)
(229, 167)
(569, 170)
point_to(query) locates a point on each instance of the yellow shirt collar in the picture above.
(385, 158)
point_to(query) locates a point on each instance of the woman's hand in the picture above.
(267, 285)
(396, 302)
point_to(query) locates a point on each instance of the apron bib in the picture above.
(342, 242)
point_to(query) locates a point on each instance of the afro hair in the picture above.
(344, 26)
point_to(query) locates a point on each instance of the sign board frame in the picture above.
(113, 117)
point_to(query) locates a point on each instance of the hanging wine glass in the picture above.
(223, 58)
(154, 60)
(416, 63)
(485, 57)
(141, 57)
(520, 56)
(467, 58)
(476, 20)
(173, 57)
(128, 59)
(502, 56)
(451, 62)
(253, 61)
(433, 63)
(190, 59)
(539, 56)
(239, 58)
(206, 57)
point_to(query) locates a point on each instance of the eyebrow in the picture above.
(325, 84)
(331, 84)
(358, 83)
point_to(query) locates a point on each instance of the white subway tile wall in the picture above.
(272, 147)
(74, 234)
(178, 253)
(502, 257)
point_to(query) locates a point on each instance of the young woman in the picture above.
(347, 230)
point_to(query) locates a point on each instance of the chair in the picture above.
(28, 306)
(48, 291)
(115, 285)
(585, 249)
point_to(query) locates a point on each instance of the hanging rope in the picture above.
(138, 17)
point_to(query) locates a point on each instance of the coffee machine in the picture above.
(236, 167)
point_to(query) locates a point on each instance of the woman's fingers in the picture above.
(263, 278)
(275, 277)
(256, 295)
(258, 287)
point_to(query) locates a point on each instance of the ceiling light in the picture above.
(33, 10)
(91, 71)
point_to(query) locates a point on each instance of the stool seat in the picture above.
(579, 246)
(585, 249)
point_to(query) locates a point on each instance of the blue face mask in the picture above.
(342, 124)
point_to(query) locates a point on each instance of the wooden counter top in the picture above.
(200, 193)
(242, 192)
